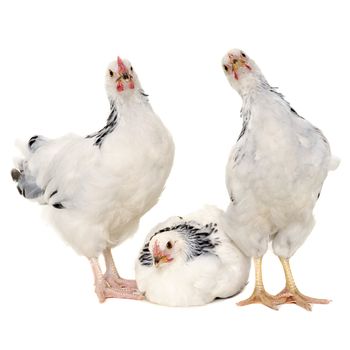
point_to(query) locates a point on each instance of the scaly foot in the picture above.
(117, 282)
(104, 290)
(289, 296)
(260, 296)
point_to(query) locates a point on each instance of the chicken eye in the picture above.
(169, 245)
(131, 68)
(111, 73)
(243, 54)
(225, 67)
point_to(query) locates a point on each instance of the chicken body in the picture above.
(274, 176)
(98, 187)
(190, 260)
(106, 190)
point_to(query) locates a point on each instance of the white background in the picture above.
(53, 60)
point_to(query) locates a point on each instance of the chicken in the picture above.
(189, 260)
(97, 187)
(274, 177)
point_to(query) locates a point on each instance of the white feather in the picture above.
(104, 190)
(200, 280)
(275, 171)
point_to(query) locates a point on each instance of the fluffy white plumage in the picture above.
(190, 261)
(276, 169)
(98, 187)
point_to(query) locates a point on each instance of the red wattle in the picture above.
(235, 74)
(120, 86)
(131, 85)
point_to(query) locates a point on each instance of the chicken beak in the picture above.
(158, 260)
(235, 68)
(238, 63)
(124, 75)
(159, 256)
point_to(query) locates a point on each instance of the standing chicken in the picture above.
(274, 177)
(190, 261)
(97, 187)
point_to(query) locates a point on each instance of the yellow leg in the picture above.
(291, 295)
(259, 296)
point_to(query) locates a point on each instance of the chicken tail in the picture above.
(35, 142)
(26, 184)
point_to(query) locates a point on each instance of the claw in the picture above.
(115, 281)
(287, 296)
(260, 296)
(291, 295)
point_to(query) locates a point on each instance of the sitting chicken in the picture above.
(97, 187)
(190, 261)
(274, 177)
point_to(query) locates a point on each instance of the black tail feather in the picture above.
(15, 174)
(32, 140)
(26, 184)
(36, 141)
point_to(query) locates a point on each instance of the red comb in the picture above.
(156, 249)
(121, 66)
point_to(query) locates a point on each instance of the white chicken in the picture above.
(274, 177)
(189, 261)
(98, 187)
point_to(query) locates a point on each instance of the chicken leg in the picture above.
(291, 295)
(259, 294)
(112, 275)
(103, 288)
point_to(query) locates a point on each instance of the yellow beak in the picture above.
(158, 260)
